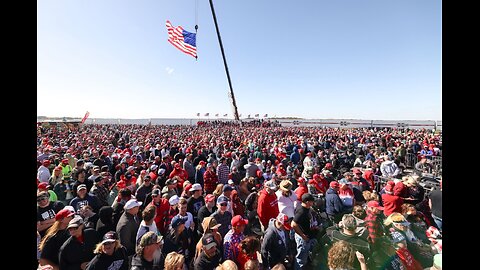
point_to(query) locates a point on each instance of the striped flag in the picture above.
(225, 115)
(257, 115)
(198, 114)
(216, 115)
(182, 40)
(85, 117)
(266, 115)
(207, 114)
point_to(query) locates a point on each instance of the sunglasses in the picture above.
(41, 199)
(223, 204)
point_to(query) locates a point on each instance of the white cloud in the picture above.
(169, 70)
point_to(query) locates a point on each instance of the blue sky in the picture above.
(369, 59)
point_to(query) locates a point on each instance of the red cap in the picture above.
(188, 187)
(201, 162)
(65, 161)
(43, 185)
(46, 162)
(309, 154)
(356, 170)
(63, 214)
(334, 184)
(209, 198)
(301, 180)
(239, 221)
(285, 220)
(374, 204)
(328, 165)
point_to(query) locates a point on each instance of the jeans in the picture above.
(303, 249)
(438, 221)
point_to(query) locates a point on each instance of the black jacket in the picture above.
(274, 250)
(73, 253)
(204, 263)
(118, 261)
(138, 263)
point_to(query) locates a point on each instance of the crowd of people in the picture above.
(230, 196)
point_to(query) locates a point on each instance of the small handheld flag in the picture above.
(182, 40)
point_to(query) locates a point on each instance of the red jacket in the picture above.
(182, 174)
(162, 212)
(300, 191)
(391, 203)
(267, 207)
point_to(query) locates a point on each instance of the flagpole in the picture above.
(232, 96)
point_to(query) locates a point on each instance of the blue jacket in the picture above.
(295, 156)
(333, 203)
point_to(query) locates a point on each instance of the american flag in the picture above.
(257, 115)
(225, 115)
(207, 114)
(198, 114)
(85, 117)
(182, 40)
(266, 115)
(216, 115)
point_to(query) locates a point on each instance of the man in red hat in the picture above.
(276, 242)
(42, 186)
(233, 238)
(334, 206)
(43, 173)
(301, 189)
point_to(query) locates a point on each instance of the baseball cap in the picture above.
(43, 185)
(208, 241)
(131, 204)
(271, 185)
(110, 237)
(82, 186)
(195, 187)
(285, 221)
(173, 200)
(238, 221)
(156, 192)
(187, 186)
(150, 238)
(222, 199)
(374, 204)
(307, 197)
(334, 184)
(301, 180)
(69, 208)
(227, 188)
(209, 198)
(130, 168)
(171, 182)
(161, 171)
(343, 181)
(75, 222)
(177, 220)
(230, 182)
(63, 214)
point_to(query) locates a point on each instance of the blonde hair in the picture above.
(227, 265)
(218, 191)
(98, 247)
(394, 217)
(341, 255)
(50, 232)
(173, 260)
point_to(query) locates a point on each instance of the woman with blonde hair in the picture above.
(109, 252)
(342, 255)
(174, 261)
(218, 191)
(54, 238)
